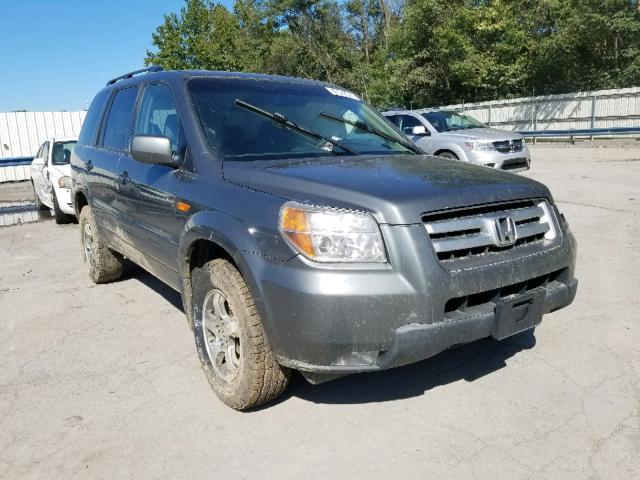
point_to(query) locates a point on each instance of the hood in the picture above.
(491, 134)
(396, 189)
(58, 171)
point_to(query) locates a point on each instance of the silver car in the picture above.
(458, 136)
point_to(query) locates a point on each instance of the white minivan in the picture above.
(51, 177)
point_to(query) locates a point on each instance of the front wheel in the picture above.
(234, 351)
(59, 215)
(448, 154)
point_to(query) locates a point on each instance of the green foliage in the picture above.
(414, 52)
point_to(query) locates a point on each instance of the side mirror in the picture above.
(39, 162)
(419, 130)
(152, 149)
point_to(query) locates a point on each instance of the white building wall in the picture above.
(22, 133)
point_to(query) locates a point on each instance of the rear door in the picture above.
(36, 171)
(43, 186)
(147, 193)
(112, 143)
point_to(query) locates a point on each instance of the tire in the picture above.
(234, 351)
(39, 204)
(447, 154)
(103, 264)
(59, 215)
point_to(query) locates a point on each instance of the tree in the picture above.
(414, 52)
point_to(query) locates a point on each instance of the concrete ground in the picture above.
(103, 381)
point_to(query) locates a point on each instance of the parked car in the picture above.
(461, 137)
(51, 178)
(304, 232)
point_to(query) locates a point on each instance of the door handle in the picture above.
(89, 165)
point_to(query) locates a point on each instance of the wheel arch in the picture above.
(203, 240)
(452, 148)
(79, 202)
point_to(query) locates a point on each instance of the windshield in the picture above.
(449, 121)
(61, 154)
(227, 107)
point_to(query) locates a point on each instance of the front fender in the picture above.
(459, 151)
(236, 238)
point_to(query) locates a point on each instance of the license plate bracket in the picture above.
(518, 313)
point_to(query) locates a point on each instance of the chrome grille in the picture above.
(489, 229)
(508, 146)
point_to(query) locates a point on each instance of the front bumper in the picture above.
(64, 200)
(343, 319)
(512, 162)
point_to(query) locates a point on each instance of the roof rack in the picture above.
(153, 68)
(388, 109)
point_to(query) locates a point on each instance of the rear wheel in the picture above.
(447, 154)
(103, 264)
(234, 351)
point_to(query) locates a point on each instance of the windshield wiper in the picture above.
(286, 123)
(368, 128)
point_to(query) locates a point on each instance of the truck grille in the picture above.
(489, 229)
(508, 146)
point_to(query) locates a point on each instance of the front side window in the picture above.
(251, 119)
(408, 122)
(157, 116)
(45, 152)
(445, 121)
(118, 125)
(61, 154)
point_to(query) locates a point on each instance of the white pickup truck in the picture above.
(51, 178)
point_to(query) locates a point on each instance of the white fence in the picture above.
(598, 109)
(22, 133)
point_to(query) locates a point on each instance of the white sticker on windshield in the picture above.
(351, 117)
(342, 93)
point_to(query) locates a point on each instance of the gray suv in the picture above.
(454, 135)
(304, 231)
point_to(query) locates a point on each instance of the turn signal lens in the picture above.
(332, 235)
(64, 182)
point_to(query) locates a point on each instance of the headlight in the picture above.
(480, 146)
(64, 182)
(332, 235)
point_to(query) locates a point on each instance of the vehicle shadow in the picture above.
(467, 362)
(133, 271)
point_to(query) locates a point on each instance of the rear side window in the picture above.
(157, 116)
(394, 119)
(118, 125)
(90, 124)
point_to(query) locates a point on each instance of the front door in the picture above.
(146, 192)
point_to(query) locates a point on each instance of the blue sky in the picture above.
(55, 55)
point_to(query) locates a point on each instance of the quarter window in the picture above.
(117, 129)
(157, 116)
(90, 125)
